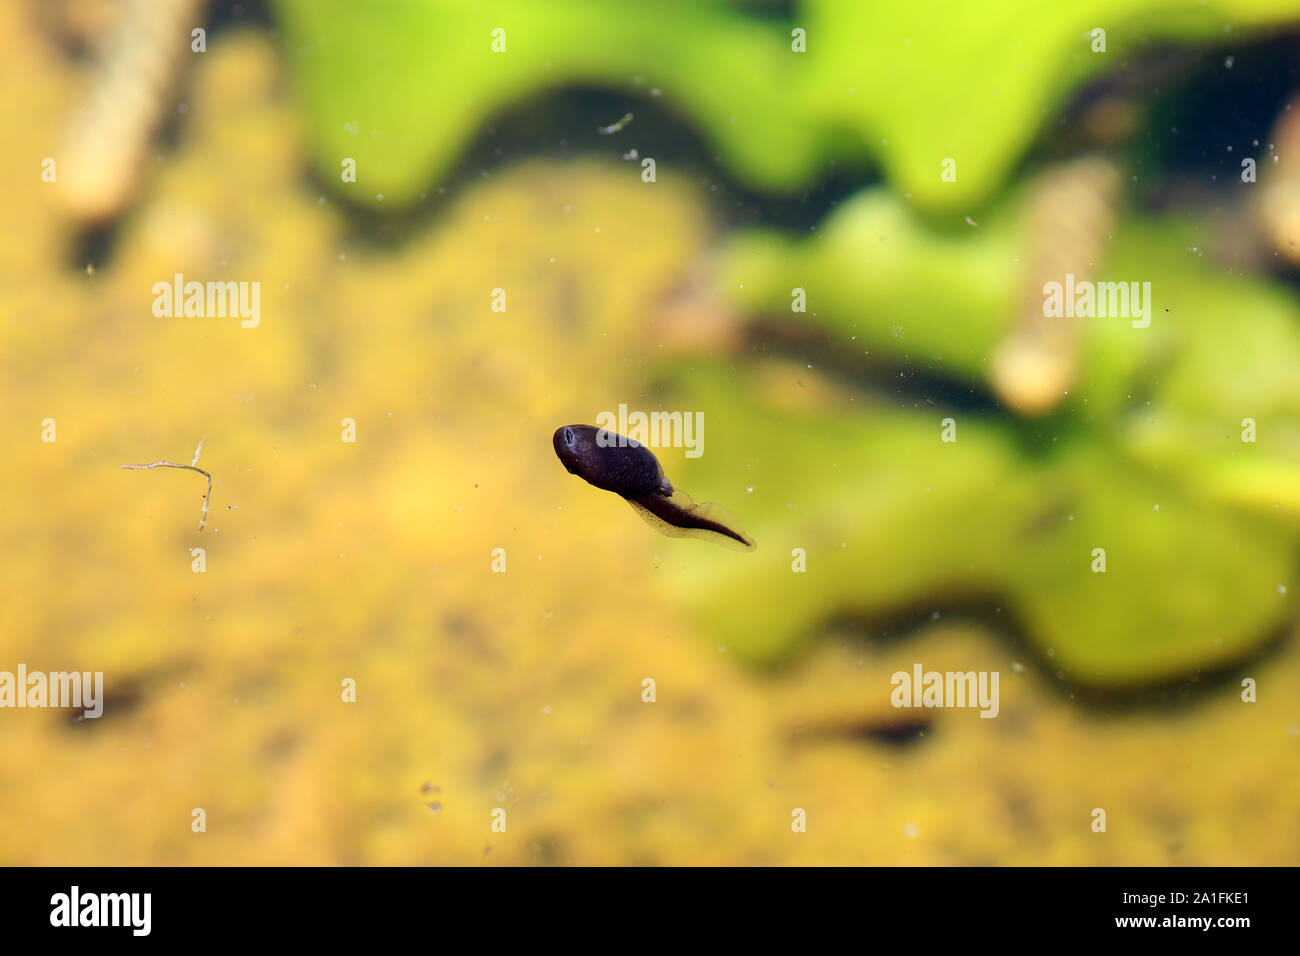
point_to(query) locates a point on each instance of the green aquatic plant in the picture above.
(402, 86)
(1176, 453)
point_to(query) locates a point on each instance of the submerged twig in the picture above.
(192, 466)
(108, 140)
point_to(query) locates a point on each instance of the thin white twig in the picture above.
(192, 466)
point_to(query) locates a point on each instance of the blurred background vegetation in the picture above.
(775, 170)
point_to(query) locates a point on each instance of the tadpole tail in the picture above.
(678, 516)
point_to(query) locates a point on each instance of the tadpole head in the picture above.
(572, 444)
(608, 460)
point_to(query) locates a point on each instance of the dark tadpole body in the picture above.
(613, 463)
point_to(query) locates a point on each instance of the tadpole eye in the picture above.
(569, 437)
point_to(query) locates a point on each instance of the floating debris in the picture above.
(615, 127)
(192, 466)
